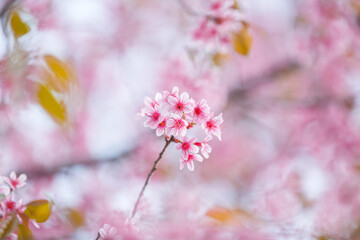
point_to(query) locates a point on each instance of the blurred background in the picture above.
(285, 75)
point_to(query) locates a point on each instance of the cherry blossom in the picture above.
(189, 161)
(108, 232)
(212, 125)
(187, 145)
(16, 182)
(174, 115)
(201, 111)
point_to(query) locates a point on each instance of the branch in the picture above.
(258, 81)
(149, 176)
(46, 172)
(6, 7)
(187, 8)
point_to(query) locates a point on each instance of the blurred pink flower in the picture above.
(16, 182)
(189, 161)
(212, 125)
(107, 232)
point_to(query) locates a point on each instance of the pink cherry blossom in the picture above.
(108, 232)
(174, 93)
(182, 104)
(154, 117)
(189, 161)
(177, 126)
(212, 125)
(186, 146)
(201, 111)
(16, 182)
(205, 148)
(162, 126)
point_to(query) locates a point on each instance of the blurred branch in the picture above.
(46, 172)
(187, 8)
(6, 7)
(268, 77)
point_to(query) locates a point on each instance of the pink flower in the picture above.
(212, 125)
(161, 126)
(177, 126)
(108, 232)
(189, 161)
(186, 146)
(201, 112)
(16, 182)
(205, 147)
(182, 104)
(174, 93)
(154, 117)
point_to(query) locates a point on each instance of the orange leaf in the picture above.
(75, 217)
(221, 214)
(219, 58)
(8, 226)
(24, 233)
(18, 27)
(56, 109)
(60, 75)
(39, 210)
(242, 41)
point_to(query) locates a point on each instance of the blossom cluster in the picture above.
(173, 114)
(8, 205)
(217, 26)
(16, 216)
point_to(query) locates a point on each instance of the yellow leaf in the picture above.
(242, 41)
(221, 214)
(219, 58)
(75, 217)
(39, 210)
(229, 216)
(56, 109)
(24, 233)
(60, 75)
(8, 226)
(18, 27)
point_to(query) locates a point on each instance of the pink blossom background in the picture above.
(288, 163)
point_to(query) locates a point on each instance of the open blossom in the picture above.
(107, 232)
(154, 117)
(212, 125)
(205, 148)
(189, 161)
(16, 182)
(177, 126)
(182, 104)
(174, 114)
(162, 126)
(201, 111)
(186, 146)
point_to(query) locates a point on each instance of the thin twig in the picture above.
(98, 236)
(149, 176)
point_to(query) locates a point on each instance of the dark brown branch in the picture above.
(149, 176)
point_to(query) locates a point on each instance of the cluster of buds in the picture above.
(16, 216)
(174, 114)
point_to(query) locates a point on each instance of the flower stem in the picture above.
(149, 176)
